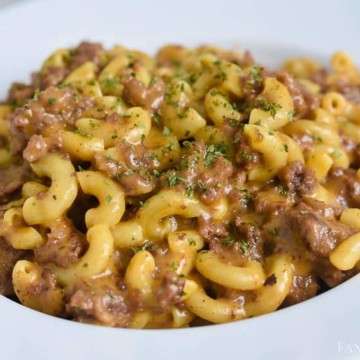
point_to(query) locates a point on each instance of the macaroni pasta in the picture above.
(183, 189)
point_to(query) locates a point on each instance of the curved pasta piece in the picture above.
(18, 234)
(105, 105)
(214, 310)
(140, 320)
(261, 301)
(351, 217)
(337, 154)
(32, 188)
(171, 202)
(165, 149)
(248, 277)
(323, 116)
(219, 108)
(114, 66)
(222, 73)
(301, 68)
(269, 297)
(127, 234)
(149, 218)
(26, 276)
(150, 221)
(181, 317)
(319, 132)
(280, 104)
(320, 163)
(342, 62)
(58, 198)
(5, 111)
(139, 274)
(334, 103)
(85, 72)
(96, 259)
(346, 255)
(322, 194)
(183, 246)
(81, 147)
(91, 88)
(110, 196)
(191, 121)
(57, 58)
(272, 149)
(6, 157)
(292, 148)
(134, 126)
(351, 130)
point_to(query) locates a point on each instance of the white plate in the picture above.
(326, 327)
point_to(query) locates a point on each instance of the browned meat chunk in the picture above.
(170, 290)
(64, 245)
(132, 171)
(137, 94)
(210, 230)
(11, 179)
(252, 242)
(8, 259)
(50, 76)
(86, 51)
(98, 302)
(245, 156)
(54, 109)
(47, 281)
(19, 94)
(298, 179)
(345, 184)
(303, 288)
(345, 87)
(38, 146)
(330, 274)
(203, 170)
(304, 101)
(319, 233)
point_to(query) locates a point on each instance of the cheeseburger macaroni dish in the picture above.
(184, 189)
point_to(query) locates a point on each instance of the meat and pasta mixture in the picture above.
(188, 188)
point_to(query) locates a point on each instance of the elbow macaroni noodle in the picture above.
(169, 198)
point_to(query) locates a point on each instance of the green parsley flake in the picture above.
(201, 185)
(36, 94)
(291, 115)
(172, 179)
(273, 108)
(282, 191)
(275, 231)
(143, 204)
(129, 172)
(82, 133)
(166, 131)
(52, 101)
(255, 72)
(213, 152)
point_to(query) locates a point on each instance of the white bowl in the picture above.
(326, 327)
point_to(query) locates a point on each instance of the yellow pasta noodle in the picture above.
(58, 198)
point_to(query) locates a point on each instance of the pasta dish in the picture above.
(188, 188)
